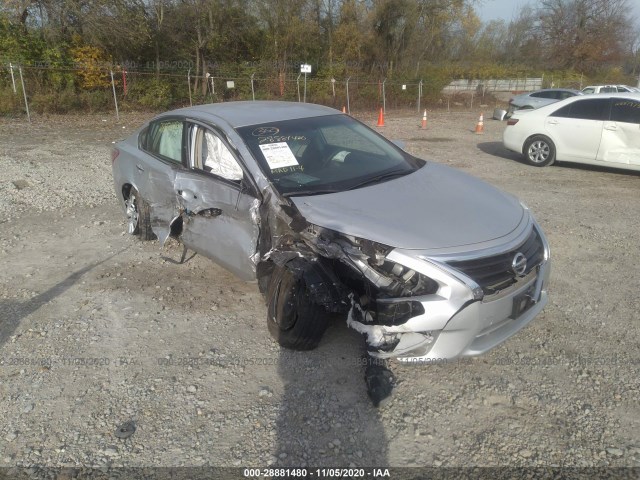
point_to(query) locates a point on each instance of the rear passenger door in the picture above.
(621, 133)
(576, 128)
(162, 144)
(219, 203)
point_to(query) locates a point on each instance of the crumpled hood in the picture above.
(434, 207)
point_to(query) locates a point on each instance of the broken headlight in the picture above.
(391, 279)
(406, 282)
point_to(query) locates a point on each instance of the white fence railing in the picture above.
(494, 85)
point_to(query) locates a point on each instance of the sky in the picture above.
(508, 9)
(499, 9)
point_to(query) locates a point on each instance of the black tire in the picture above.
(138, 216)
(293, 319)
(539, 151)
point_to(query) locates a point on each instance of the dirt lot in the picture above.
(97, 328)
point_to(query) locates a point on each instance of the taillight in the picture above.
(114, 154)
(512, 121)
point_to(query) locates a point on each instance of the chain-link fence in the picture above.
(45, 88)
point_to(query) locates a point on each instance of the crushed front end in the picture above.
(423, 307)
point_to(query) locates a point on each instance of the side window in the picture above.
(164, 138)
(539, 95)
(563, 95)
(591, 109)
(209, 153)
(608, 90)
(588, 90)
(562, 112)
(627, 111)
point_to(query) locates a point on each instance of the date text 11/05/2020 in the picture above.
(317, 472)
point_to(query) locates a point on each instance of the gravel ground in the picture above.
(97, 329)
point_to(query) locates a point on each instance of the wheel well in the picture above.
(126, 190)
(328, 291)
(176, 227)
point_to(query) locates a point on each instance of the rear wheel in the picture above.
(138, 216)
(539, 151)
(293, 319)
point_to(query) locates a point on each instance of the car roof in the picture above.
(552, 90)
(243, 113)
(558, 90)
(627, 95)
(631, 95)
(610, 85)
(528, 94)
(559, 104)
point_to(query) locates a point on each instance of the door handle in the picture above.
(613, 128)
(186, 194)
(553, 122)
(139, 168)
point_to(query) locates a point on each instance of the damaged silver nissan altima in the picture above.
(329, 217)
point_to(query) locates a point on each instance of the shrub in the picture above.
(64, 101)
(153, 94)
(10, 103)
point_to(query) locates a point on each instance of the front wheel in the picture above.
(294, 320)
(539, 151)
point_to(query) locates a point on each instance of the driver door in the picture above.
(219, 214)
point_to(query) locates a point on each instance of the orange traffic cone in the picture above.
(344, 109)
(424, 120)
(381, 119)
(480, 125)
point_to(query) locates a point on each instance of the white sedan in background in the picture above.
(597, 130)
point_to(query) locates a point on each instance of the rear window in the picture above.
(563, 95)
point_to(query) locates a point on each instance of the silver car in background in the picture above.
(330, 218)
(539, 98)
(610, 89)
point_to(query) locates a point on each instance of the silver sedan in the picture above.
(330, 218)
(539, 98)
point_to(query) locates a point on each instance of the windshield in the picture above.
(324, 154)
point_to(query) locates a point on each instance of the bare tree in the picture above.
(585, 34)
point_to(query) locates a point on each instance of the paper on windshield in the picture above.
(278, 155)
